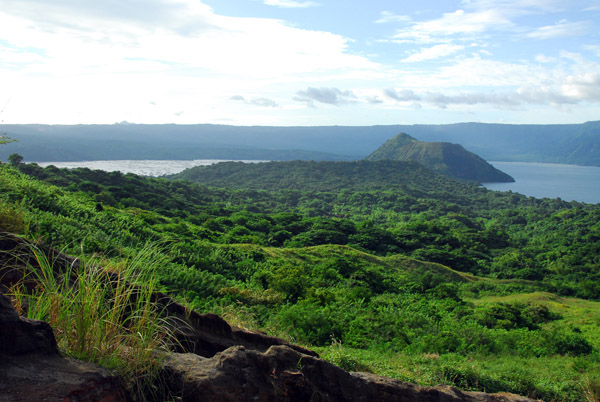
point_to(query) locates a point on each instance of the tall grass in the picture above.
(103, 315)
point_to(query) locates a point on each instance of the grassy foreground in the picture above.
(102, 312)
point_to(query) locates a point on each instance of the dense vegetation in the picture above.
(398, 207)
(411, 274)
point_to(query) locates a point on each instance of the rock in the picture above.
(21, 335)
(31, 368)
(284, 374)
(207, 334)
(32, 377)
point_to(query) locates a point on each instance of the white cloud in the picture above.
(561, 29)
(517, 7)
(388, 16)
(582, 87)
(541, 58)
(593, 48)
(75, 61)
(403, 95)
(250, 47)
(458, 24)
(374, 100)
(331, 96)
(98, 18)
(569, 90)
(290, 3)
(434, 52)
(263, 102)
(485, 16)
(102, 59)
(476, 71)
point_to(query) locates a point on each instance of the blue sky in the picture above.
(299, 62)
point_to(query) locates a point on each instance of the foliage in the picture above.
(15, 159)
(382, 208)
(4, 139)
(106, 316)
(403, 269)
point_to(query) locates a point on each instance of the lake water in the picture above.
(140, 167)
(569, 182)
(551, 180)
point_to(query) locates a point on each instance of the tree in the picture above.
(15, 159)
(5, 140)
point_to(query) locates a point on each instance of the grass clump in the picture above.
(105, 315)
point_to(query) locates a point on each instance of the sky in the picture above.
(299, 62)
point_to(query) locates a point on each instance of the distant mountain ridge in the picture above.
(441, 157)
(556, 143)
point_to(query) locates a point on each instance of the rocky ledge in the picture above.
(284, 374)
(32, 369)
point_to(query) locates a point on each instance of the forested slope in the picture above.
(404, 281)
(377, 207)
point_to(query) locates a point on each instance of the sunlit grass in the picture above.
(103, 315)
(579, 313)
(550, 378)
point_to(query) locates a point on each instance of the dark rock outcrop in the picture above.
(52, 378)
(21, 335)
(31, 368)
(286, 375)
(207, 334)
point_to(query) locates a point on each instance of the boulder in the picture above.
(283, 374)
(31, 368)
(21, 335)
(208, 334)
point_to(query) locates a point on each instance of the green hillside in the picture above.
(308, 175)
(426, 286)
(441, 157)
(425, 216)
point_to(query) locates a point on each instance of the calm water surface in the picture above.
(551, 180)
(140, 167)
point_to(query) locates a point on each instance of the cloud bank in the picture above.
(330, 96)
(78, 61)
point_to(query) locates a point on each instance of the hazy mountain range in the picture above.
(564, 143)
